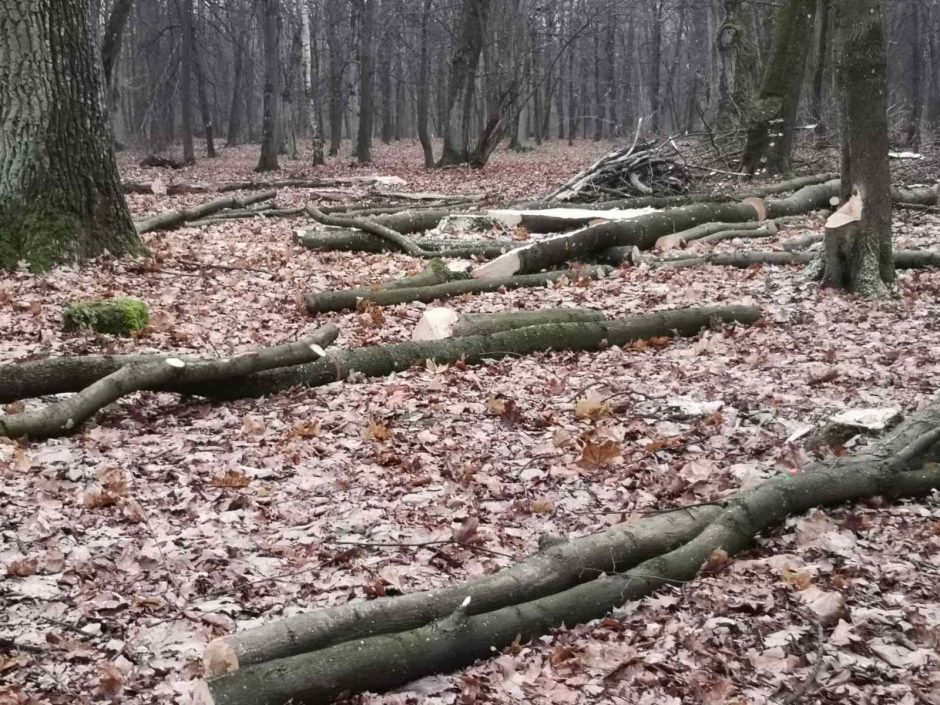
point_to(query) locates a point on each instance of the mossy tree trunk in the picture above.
(773, 114)
(60, 192)
(863, 262)
(737, 60)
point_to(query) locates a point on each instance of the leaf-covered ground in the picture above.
(168, 522)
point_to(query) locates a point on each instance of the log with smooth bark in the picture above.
(343, 240)
(679, 239)
(904, 259)
(66, 416)
(324, 302)
(403, 243)
(177, 217)
(896, 467)
(769, 230)
(440, 322)
(643, 232)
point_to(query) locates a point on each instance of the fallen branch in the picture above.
(644, 231)
(143, 187)
(177, 217)
(769, 230)
(403, 243)
(903, 259)
(397, 652)
(681, 238)
(343, 240)
(323, 302)
(103, 379)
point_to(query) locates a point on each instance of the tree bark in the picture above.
(111, 49)
(271, 31)
(208, 124)
(737, 58)
(60, 192)
(366, 13)
(773, 114)
(860, 258)
(460, 86)
(316, 130)
(892, 468)
(184, 10)
(177, 217)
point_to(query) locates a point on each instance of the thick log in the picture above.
(893, 468)
(924, 196)
(679, 239)
(177, 217)
(66, 416)
(344, 240)
(769, 230)
(643, 232)
(439, 323)
(903, 259)
(144, 187)
(44, 377)
(324, 302)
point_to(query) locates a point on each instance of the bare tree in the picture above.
(270, 23)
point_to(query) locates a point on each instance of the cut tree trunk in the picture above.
(66, 416)
(399, 652)
(324, 302)
(60, 193)
(440, 322)
(644, 231)
(176, 218)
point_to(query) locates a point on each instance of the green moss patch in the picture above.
(115, 316)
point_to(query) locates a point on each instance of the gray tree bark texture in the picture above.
(271, 33)
(773, 114)
(72, 374)
(378, 661)
(860, 258)
(60, 192)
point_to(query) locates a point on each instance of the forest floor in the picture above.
(167, 522)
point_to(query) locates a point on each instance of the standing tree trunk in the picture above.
(858, 253)
(208, 126)
(822, 65)
(773, 114)
(238, 81)
(737, 63)
(914, 75)
(316, 132)
(366, 12)
(469, 37)
(184, 9)
(111, 50)
(335, 79)
(272, 53)
(423, 87)
(60, 192)
(655, 60)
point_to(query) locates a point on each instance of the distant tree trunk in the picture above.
(859, 256)
(656, 59)
(335, 80)
(610, 50)
(914, 78)
(366, 11)
(600, 103)
(773, 114)
(184, 9)
(423, 87)
(316, 131)
(236, 108)
(822, 65)
(270, 29)
(737, 64)
(573, 92)
(933, 61)
(469, 37)
(206, 111)
(288, 131)
(60, 192)
(385, 76)
(111, 49)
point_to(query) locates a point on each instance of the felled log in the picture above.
(311, 183)
(345, 240)
(403, 243)
(65, 417)
(439, 322)
(643, 232)
(679, 239)
(323, 302)
(769, 230)
(924, 196)
(175, 218)
(903, 259)
(893, 468)
(146, 187)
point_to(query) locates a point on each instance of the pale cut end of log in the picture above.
(318, 350)
(175, 362)
(834, 201)
(668, 242)
(850, 213)
(220, 658)
(436, 324)
(503, 266)
(759, 206)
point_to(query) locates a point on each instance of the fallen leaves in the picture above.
(599, 454)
